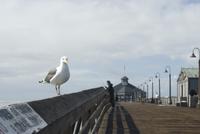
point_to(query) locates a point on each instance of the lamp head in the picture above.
(166, 71)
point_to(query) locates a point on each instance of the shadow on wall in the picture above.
(121, 114)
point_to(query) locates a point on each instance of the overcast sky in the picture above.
(99, 37)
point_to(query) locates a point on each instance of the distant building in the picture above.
(125, 91)
(187, 83)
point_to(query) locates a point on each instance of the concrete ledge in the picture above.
(62, 112)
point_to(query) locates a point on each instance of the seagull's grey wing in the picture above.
(50, 74)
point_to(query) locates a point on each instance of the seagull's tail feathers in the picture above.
(42, 81)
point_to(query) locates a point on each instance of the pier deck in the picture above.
(137, 118)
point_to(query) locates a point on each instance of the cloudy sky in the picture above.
(99, 37)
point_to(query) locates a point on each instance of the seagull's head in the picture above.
(64, 60)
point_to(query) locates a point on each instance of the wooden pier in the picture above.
(137, 118)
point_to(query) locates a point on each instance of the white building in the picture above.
(125, 91)
(187, 82)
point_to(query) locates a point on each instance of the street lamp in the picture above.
(151, 80)
(159, 94)
(146, 83)
(141, 92)
(194, 56)
(168, 70)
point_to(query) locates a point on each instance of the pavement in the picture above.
(137, 118)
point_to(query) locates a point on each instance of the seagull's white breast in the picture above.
(62, 75)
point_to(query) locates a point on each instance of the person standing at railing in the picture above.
(111, 92)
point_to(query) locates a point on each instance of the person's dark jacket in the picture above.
(111, 92)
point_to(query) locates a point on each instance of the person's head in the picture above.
(109, 83)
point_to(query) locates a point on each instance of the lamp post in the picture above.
(151, 80)
(194, 56)
(141, 92)
(146, 83)
(159, 94)
(168, 70)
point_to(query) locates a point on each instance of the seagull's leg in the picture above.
(59, 89)
(56, 89)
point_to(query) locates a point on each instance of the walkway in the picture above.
(137, 118)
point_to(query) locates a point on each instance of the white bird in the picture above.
(59, 75)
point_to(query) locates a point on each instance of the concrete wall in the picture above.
(62, 112)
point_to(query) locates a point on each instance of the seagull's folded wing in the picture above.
(50, 74)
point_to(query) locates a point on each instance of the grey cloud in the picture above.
(97, 36)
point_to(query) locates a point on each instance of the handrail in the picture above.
(72, 114)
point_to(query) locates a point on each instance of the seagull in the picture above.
(59, 75)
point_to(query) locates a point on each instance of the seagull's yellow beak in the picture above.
(65, 61)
